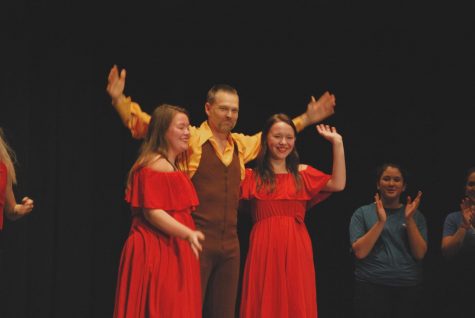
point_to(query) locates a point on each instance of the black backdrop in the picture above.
(403, 75)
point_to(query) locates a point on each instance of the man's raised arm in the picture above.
(317, 110)
(130, 113)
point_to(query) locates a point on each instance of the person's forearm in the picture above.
(417, 243)
(166, 223)
(11, 213)
(304, 121)
(10, 203)
(338, 179)
(300, 122)
(122, 106)
(363, 246)
(452, 244)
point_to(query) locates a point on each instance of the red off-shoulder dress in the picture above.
(159, 276)
(279, 275)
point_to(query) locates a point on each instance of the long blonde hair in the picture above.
(7, 156)
(155, 142)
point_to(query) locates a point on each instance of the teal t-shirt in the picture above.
(466, 254)
(390, 262)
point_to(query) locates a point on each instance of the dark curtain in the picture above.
(402, 75)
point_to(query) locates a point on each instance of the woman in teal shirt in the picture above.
(389, 241)
(458, 247)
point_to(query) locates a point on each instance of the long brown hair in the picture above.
(155, 142)
(7, 156)
(265, 176)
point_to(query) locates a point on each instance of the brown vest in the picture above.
(218, 191)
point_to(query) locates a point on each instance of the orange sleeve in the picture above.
(137, 121)
(298, 123)
(249, 146)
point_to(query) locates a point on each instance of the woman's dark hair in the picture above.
(265, 176)
(469, 173)
(380, 170)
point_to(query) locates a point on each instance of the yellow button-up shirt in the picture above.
(248, 146)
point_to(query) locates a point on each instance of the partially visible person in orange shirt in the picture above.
(215, 160)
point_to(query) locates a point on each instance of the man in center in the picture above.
(216, 159)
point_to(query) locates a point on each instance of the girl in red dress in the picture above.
(159, 274)
(8, 203)
(279, 275)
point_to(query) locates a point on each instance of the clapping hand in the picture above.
(468, 213)
(411, 206)
(382, 216)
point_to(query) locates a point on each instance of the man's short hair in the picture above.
(210, 98)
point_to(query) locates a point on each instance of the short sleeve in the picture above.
(248, 185)
(421, 224)
(314, 181)
(169, 191)
(357, 225)
(451, 224)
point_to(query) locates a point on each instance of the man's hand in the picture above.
(318, 110)
(116, 84)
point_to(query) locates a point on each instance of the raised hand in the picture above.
(382, 216)
(411, 206)
(24, 208)
(194, 239)
(116, 83)
(318, 110)
(329, 133)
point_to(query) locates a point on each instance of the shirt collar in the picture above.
(207, 134)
